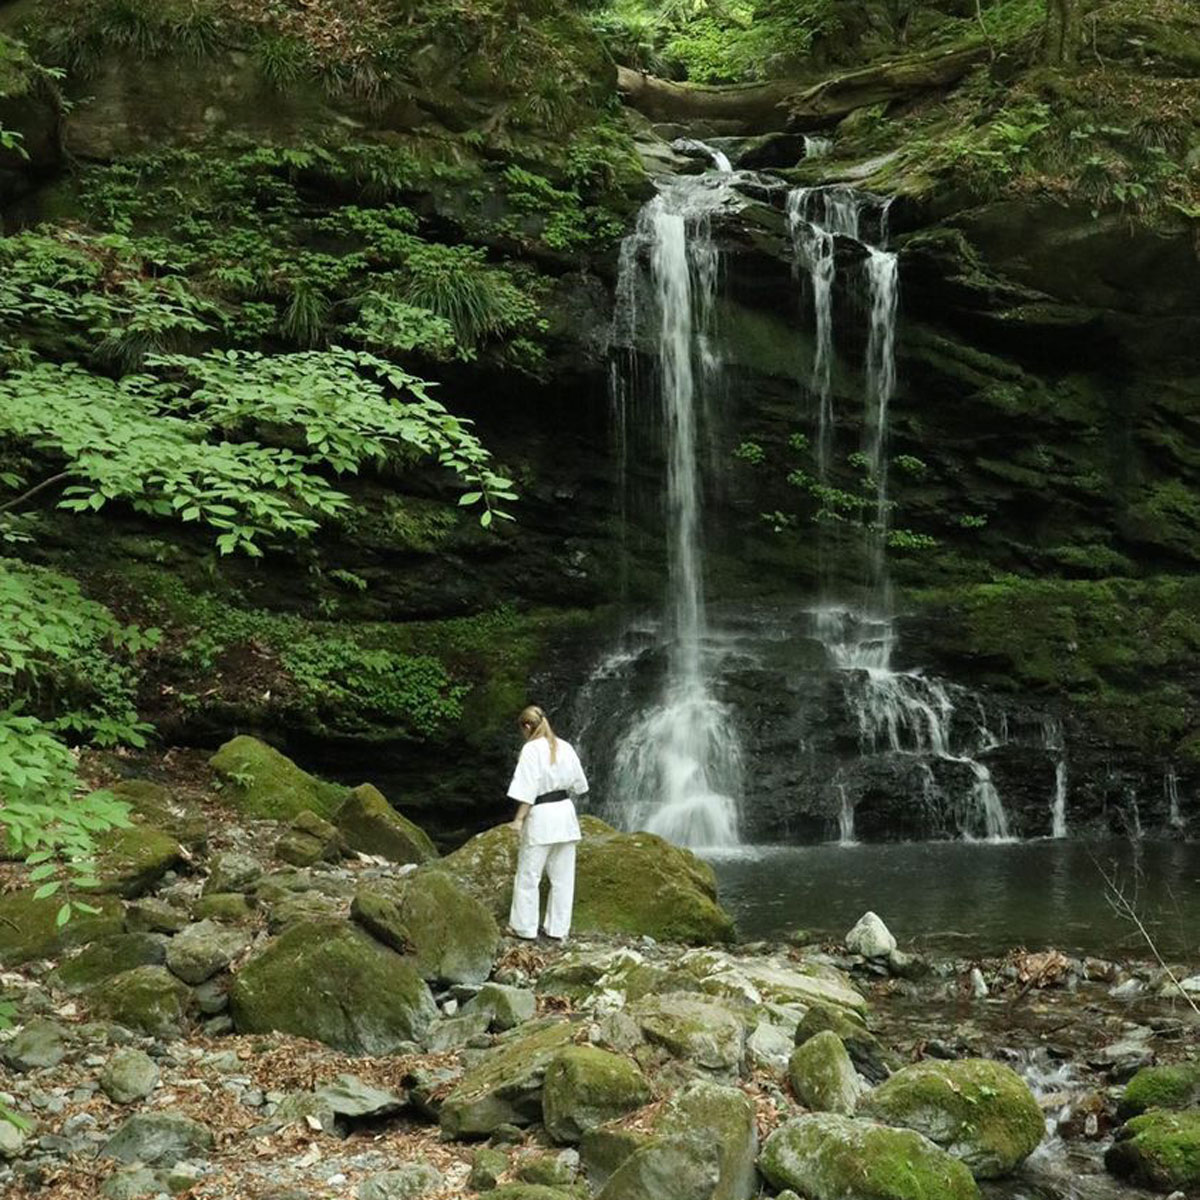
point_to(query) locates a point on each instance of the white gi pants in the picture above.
(557, 860)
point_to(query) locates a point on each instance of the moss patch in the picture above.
(1173, 1087)
(261, 782)
(28, 929)
(1158, 1150)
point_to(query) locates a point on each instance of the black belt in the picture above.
(549, 797)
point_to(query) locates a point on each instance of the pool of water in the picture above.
(973, 898)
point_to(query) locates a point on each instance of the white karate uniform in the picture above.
(548, 837)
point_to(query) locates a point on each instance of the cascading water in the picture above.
(1171, 790)
(1054, 742)
(677, 769)
(901, 712)
(817, 147)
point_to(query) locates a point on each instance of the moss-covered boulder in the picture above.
(506, 1007)
(1159, 1150)
(723, 1117)
(830, 1157)
(371, 825)
(131, 861)
(454, 937)
(230, 908)
(310, 839)
(868, 1056)
(980, 1111)
(532, 1191)
(147, 999)
(29, 928)
(702, 1033)
(109, 956)
(330, 981)
(822, 1076)
(585, 1087)
(261, 782)
(203, 950)
(505, 1086)
(625, 883)
(684, 1168)
(1176, 1086)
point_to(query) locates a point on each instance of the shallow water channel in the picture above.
(970, 898)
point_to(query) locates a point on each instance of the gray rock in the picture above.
(585, 1087)
(129, 1075)
(204, 949)
(151, 915)
(666, 1169)
(870, 937)
(722, 1117)
(184, 1176)
(701, 1032)
(148, 999)
(349, 1096)
(212, 996)
(232, 872)
(131, 1183)
(12, 1139)
(507, 1007)
(106, 957)
(158, 1139)
(486, 1168)
(822, 1075)
(39, 1044)
(453, 1033)
(404, 1183)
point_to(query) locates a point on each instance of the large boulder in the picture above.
(700, 1032)
(158, 1139)
(158, 807)
(29, 928)
(454, 937)
(131, 861)
(1176, 1086)
(310, 839)
(147, 999)
(822, 1075)
(204, 949)
(1159, 1150)
(868, 1056)
(371, 825)
(625, 883)
(685, 1168)
(826, 1156)
(330, 981)
(504, 1087)
(506, 1007)
(718, 1116)
(39, 1044)
(585, 1087)
(261, 782)
(980, 1111)
(106, 957)
(870, 937)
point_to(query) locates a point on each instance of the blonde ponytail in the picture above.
(534, 724)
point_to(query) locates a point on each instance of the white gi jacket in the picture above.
(554, 821)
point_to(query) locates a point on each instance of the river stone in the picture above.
(723, 1117)
(158, 1139)
(330, 981)
(147, 1000)
(128, 1076)
(376, 907)
(1174, 1087)
(294, 908)
(980, 1111)
(109, 956)
(151, 915)
(487, 1166)
(792, 983)
(404, 1183)
(553, 1170)
(131, 861)
(261, 782)
(29, 928)
(585, 1087)
(130, 1183)
(39, 1044)
(371, 825)
(506, 1007)
(701, 1032)
(870, 937)
(822, 1075)
(310, 839)
(626, 883)
(232, 872)
(230, 908)
(349, 1096)
(505, 1085)
(867, 1055)
(454, 937)
(604, 1149)
(684, 1168)
(204, 949)
(826, 1156)
(770, 1046)
(453, 1033)
(1159, 1150)
(12, 1139)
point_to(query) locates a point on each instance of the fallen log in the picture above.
(790, 105)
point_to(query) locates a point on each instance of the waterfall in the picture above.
(677, 768)
(697, 148)
(1171, 790)
(817, 147)
(1053, 740)
(845, 816)
(898, 712)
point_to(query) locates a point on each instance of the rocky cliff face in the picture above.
(1044, 413)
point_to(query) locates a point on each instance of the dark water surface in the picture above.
(973, 898)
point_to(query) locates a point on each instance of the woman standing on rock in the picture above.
(548, 775)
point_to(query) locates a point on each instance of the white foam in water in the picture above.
(1171, 789)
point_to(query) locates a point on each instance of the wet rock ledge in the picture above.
(286, 992)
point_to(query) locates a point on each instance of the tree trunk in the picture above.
(1064, 23)
(787, 104)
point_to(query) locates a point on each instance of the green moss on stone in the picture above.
(980, 1111)
(585, 1087)
(830, 1157)
(106, 957)
(132, 861)
(1176, 1086)
(370, 824)
(261, 782)
(232, 908)
(28, 928)
(453, 935)
(158, 807)
(822, 1075)
(330, 981)
(1159, 1150)
(147, 999)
